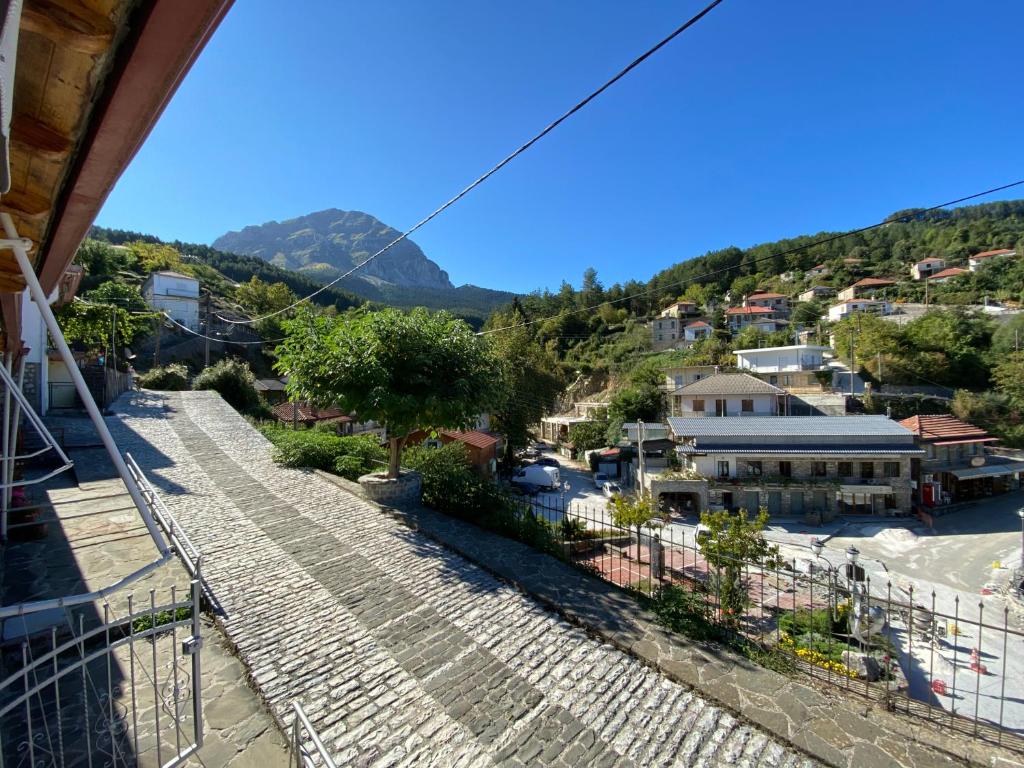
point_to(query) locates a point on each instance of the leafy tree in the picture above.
(234, 381)
(260, 298)
(947, 347)
(872, 336)
(633, 512)
(100, 258)
(119, 294)
(1009, 336)
(90, 325)
(733, 541)
(406, 371)
(639, 402)
(156, 257)
(808, 312)
(173, 377)
(589, 435)
(1008, 377)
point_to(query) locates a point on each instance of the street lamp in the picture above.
(565, 488)
(817, 545)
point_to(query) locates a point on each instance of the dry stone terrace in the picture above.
(403, 652)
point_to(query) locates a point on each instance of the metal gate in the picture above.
(113, 685)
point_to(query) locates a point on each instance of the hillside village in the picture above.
(277, 501)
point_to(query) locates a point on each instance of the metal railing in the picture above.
(935, 656)
(302, 756)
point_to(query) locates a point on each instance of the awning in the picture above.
(991, 470)
(863, 490)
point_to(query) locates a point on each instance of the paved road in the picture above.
(402, 652)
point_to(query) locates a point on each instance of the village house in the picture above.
(273, 391)
(947, 274)
(816, 292)
(680, 309)
(777, 301)
(482, 448)
(868, 286)
(926, 268)
(729, 394)
(680, 376)
(696, 331)
(763, 318)
(176, 294)
(955, 466)
(815, 466)
(667, 331)
(817, 271)
(980, 259)
(851, 306)
(797, 365)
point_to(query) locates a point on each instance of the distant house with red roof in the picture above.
(301, 412)
(926, 268)
(777, 301)
(482, 447)
(956, 466)
(867, 286)
(979, 259)
(697, 330)
(948, 274)
(763, 318)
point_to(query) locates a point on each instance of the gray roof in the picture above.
(788, 426)
(823, 449)
(730, 384)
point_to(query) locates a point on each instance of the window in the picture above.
(723, 468)
(845, 468)
(698, 405)
(659, 337)
(786, 468)
(786, 380)
(696, 377)
(773, 379)
(747, 406)
(892, 469)
(931, 451)
(819, 468)
(867, 470)
(721, 407)
(678, 379)
(754, 468)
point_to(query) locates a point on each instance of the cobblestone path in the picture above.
(402, 652)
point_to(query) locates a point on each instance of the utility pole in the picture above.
(159, 332)
(113, 337)
(853, 334)
(926, 281)
(640, 451)
(206, 363)
(879, 367)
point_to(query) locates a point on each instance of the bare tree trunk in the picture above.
(394, 461)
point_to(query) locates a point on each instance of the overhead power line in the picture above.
(724, 270)
(438, 211)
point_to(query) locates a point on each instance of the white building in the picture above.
(979, 259)
(695, 331)
(763, 318)
(927, 268)
(816, 292)
(729, 394)
(797, 357)
(850, 306)
(176, 294)
(680, 376)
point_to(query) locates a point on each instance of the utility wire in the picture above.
(723, 270)
(437, 211)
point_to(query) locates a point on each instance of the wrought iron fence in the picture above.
(301, 755)
(937, 656)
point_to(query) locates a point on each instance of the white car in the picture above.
(600, 478)
(611, 489)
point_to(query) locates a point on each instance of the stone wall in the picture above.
(31, 386)
(392, 492)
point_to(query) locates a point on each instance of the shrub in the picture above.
(173, 377)
(449, 483)
(234, 381)
(349, 457)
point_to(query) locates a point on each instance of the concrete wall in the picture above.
(763, 405)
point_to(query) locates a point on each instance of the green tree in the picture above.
(1008, 377)
(90, 324)
(589, 435)
(733, 541)
(234, 381)
(808, 312)
(99, 258)
(119, 294)
(633, 513)
(154, 257)
(406, 371)
(639, 402)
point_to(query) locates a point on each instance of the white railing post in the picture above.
(19, 247)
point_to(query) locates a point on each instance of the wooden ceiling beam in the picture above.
(69, 24)
(26, 204)
(40, 139)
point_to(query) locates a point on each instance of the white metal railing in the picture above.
(301, 756)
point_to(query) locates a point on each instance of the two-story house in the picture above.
(695, 331)
(816, 292)
(868, 286)
(851, 306)
(799, 465)
(729, 394)
(681, 375)
(980, 259)
(763, 318)
(955, 465)
(797, 365)
(777, 301)
(947, 274)
(926, 268)
(176, 294)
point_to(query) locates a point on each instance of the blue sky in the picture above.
(765, 120)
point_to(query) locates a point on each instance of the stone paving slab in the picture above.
(401, 651)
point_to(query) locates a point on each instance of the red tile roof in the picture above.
(697, 324)
(932, 428)
(928, 261)
(306, 412)
(475, 438)
(753, 296)
(869, 281)
(750, 311)
(950, 272)
(990, 254)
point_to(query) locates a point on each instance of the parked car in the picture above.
(600, 478)
(540, 446)
(611, 489)
(530, 453)
(547, 461)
